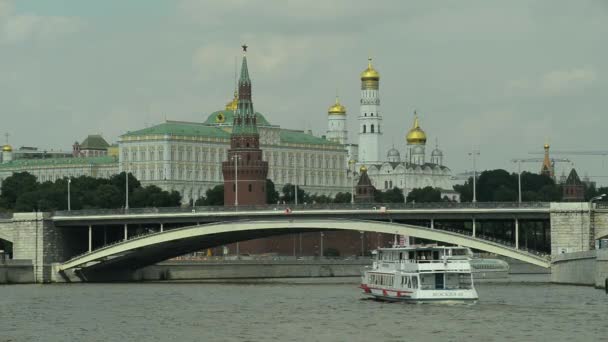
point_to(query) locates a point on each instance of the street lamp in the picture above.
(236, 158)
(473, 154)
(69, 200)
(126, 186)
(591, 227)
(518, 161)
(351, 164)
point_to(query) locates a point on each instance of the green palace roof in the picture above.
(59, 162)
(178, 128)
(299, 137)
(225, 117)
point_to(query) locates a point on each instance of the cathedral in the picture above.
(388, 170)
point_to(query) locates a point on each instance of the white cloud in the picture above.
(553, 82)
(15, 28)
(563, 80)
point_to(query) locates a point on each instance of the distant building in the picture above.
(573, 189)
(92, 146)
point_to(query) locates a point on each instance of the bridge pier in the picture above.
(126, 233)
(432, 223)
(474, 227)
(161, 227)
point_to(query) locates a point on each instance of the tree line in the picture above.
(22, 192)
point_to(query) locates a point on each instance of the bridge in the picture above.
(113, 239)
(155, 247)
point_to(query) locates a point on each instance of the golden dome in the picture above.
(546, 146)
(232, 105)
(416, 135)
(363, 169)
(337, 108)
(7, 148)
(370, 74)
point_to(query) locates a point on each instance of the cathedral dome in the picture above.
(418, 150)
(436, 153)
(370, 74)
(7, 148)
(393, 152)
(363, 169)
(416, 135)
(337, 108)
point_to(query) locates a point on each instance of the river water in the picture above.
(294, 311)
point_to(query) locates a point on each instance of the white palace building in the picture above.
(187, 156)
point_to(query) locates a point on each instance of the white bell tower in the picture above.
(336, 123)
(370, 129)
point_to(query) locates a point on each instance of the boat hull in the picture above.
(421, 296)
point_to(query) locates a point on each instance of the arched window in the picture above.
(386, 184)
(364, 131)
(372, 128)
(372, 114)
(250, 187)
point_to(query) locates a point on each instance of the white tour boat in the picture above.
(421, 274)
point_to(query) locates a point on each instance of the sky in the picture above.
(499, 77)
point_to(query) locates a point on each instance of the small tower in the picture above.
(7, 153)
(547, 167)
(437, 155)
(365, 190)
(416, 142)
(370, 119)
(573, 188)
(336, 123)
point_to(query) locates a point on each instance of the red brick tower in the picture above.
(244, 172)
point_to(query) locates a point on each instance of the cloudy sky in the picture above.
(502, 77)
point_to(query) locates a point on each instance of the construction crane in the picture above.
(533, 160)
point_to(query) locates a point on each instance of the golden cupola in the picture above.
(337, 108)
(370, 77)
(7, 148)
(416, 135)
(232, 105)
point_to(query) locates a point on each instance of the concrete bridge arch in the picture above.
(152, 248)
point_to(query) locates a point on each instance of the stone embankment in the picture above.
(581, 268)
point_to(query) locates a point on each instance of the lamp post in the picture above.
(296, 182)
(591, 227)
(518, 161)
(126, 186)
(236, 158)
(474, 154)
(69, 199)
(351, 164)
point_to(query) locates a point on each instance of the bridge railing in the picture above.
(302, 207)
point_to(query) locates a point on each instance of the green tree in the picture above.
(423, 195)
(15, 185)
(321, 199)
(272, 195)
(214, 196)
(289, 194)
(342, 197)
(394, 195)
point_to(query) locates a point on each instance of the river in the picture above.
(308, 310)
